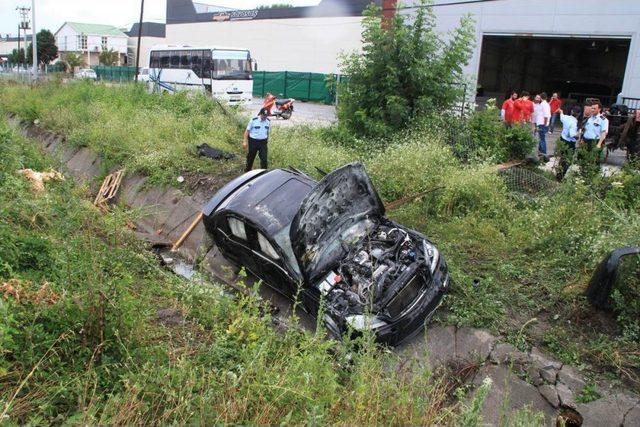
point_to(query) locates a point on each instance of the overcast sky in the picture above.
(51, 14)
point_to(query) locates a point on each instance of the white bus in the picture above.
(225, 73)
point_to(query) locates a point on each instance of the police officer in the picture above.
(596, 127)
(594, 133)
(256, 138)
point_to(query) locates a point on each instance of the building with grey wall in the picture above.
(307, 39)
(578, 47)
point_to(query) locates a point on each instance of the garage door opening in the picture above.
(577, 68)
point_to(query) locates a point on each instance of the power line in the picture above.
(456, 3)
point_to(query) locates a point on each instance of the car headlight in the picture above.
(433, 254)
(362, 322)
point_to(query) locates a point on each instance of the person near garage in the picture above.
(595, 131)
(555, 103)
(508, 111)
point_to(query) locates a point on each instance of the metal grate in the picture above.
(525, 181)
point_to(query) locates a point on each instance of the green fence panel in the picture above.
(291, 84)
(115, 74)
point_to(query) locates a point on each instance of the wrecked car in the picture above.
(329, 245)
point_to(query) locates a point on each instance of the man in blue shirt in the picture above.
(256, 137)
(567, 144)
(594, 133)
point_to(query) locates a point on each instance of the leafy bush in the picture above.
(406, 69)
(491, 140)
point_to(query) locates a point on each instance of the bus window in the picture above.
(207, 63)
(185, 59)
(155, 60)
(175, 59)
(165, 59)
(196, 61)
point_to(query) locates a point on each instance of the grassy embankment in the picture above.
(533, 257)
(81, 341)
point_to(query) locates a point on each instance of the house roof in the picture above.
(95, 29)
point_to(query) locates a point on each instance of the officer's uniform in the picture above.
(258, 138)
(589, 154)
(593, 129)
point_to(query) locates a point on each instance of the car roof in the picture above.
(271, 200)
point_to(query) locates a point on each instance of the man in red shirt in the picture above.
(507, 113)
(555, 103)
(523, 108)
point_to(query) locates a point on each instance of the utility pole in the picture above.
(34, 41)
(139, 38)
(19, 42)
(24, 24)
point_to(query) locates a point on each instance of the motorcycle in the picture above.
(278, 107)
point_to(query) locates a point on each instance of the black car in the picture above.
(329, 241)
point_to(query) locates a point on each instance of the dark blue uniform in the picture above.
(258, 138)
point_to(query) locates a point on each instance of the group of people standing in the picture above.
(539, 113)
(583, 127)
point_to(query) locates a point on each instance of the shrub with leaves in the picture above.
(489, 139)
(406, 69)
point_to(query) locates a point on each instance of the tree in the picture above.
(72, 60)
(17, 57)
(406, 69)
(47, 49)
(109, 57)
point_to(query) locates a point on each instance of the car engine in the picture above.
(382, 273)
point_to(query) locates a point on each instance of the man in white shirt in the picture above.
(541, 117)
(566, 145)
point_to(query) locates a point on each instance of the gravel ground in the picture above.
(304, 113)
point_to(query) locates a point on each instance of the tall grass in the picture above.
(528, 257)
(80, 341)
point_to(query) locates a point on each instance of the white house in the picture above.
(89, 40)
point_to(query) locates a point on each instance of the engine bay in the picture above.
(383, 272)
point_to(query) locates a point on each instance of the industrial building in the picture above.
(306, 39)
(577, 47)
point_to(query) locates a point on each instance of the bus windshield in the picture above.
(231, 64)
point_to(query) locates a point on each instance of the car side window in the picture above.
(237, 228)
(267, 248)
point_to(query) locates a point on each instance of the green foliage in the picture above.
(130, 128)
(17, 56)
(589, 393)
(47, 49)
(109, 57)
(491, 140)
(73, 60)
(81, 330)
(406, 69)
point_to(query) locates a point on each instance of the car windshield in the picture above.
(231, 64)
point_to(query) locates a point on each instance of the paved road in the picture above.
(304, 113)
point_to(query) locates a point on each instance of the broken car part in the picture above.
(606, 275)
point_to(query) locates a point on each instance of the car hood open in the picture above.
(337, 212)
